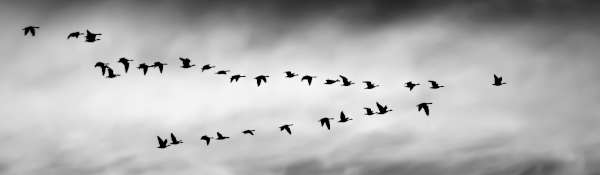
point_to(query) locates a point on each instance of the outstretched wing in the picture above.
(327, 124)
(289, 131)
(160, 142)
(379, 107)
(258, 81)
(173, 138)
(426, 109)
(219, 134)
(344, 79)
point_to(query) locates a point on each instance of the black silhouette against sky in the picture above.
(60, 116)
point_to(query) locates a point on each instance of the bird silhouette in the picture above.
(260, 78)
(286, 128)
(144, 67)
(186, 63)
(498, 81)
(410, 85)
(174, 140)
(236, 78)
(162, 144)
(159, 65)
(325, 121)
(343, 118)
(370, 85)
(102, 66)
(249, 131)
(91, 37)
(329, 81)
(125, 63)
(434, 85)
(222, 72)
(308, 78)
(206, 138)
(382, 109)
(290, 74)
(345, 81)
(425, 107)
(369, 111)
(221, 137)
(74, 35)
(111, 73)
(30, 29)
(207, 67)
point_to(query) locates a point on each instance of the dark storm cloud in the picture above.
(356, 12)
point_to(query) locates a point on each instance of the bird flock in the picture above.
(107, 71)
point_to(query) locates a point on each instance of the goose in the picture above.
(308, 78)
(382, 109)
(498, 81)
(345, 81)
(325, 121)
(286, 128)
(410, 85)
(435, 85)
(174, 140)
(343, 118)
(30, 29)
(186, 63)
(249, 131)
(162, 144)
(125, 63)
(425, 107)
(370, 85)
(260, 78)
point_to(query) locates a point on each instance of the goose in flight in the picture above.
(207, 67)
(222, 72)
(370, 85)
(369, 111)
(30, 29)
(425, 107)
(382, 109)
(74, 35)
(186, 63)
(236, 78)
(111, 73)
(345, 81)
(91, 37)
(434, 85)
(174, 140)
(102, 66)
(308, 78)
(343, 118)
(290, 74)
(159, 65)
(330, 81)
(162, 144)
(325, 121)
(286, 128)
(206, 138)
(249, 131)
(144, 67)
(410, 85)
(260, 78)
(220, 136)
(125, 63)
(498, 81)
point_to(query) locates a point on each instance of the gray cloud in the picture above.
(61, 117)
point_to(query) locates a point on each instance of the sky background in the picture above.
(60, 116)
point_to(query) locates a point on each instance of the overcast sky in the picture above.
(60, 116)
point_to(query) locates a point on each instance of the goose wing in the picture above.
(288, 130)
(379, 107)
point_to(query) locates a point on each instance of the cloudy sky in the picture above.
(60, 116)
